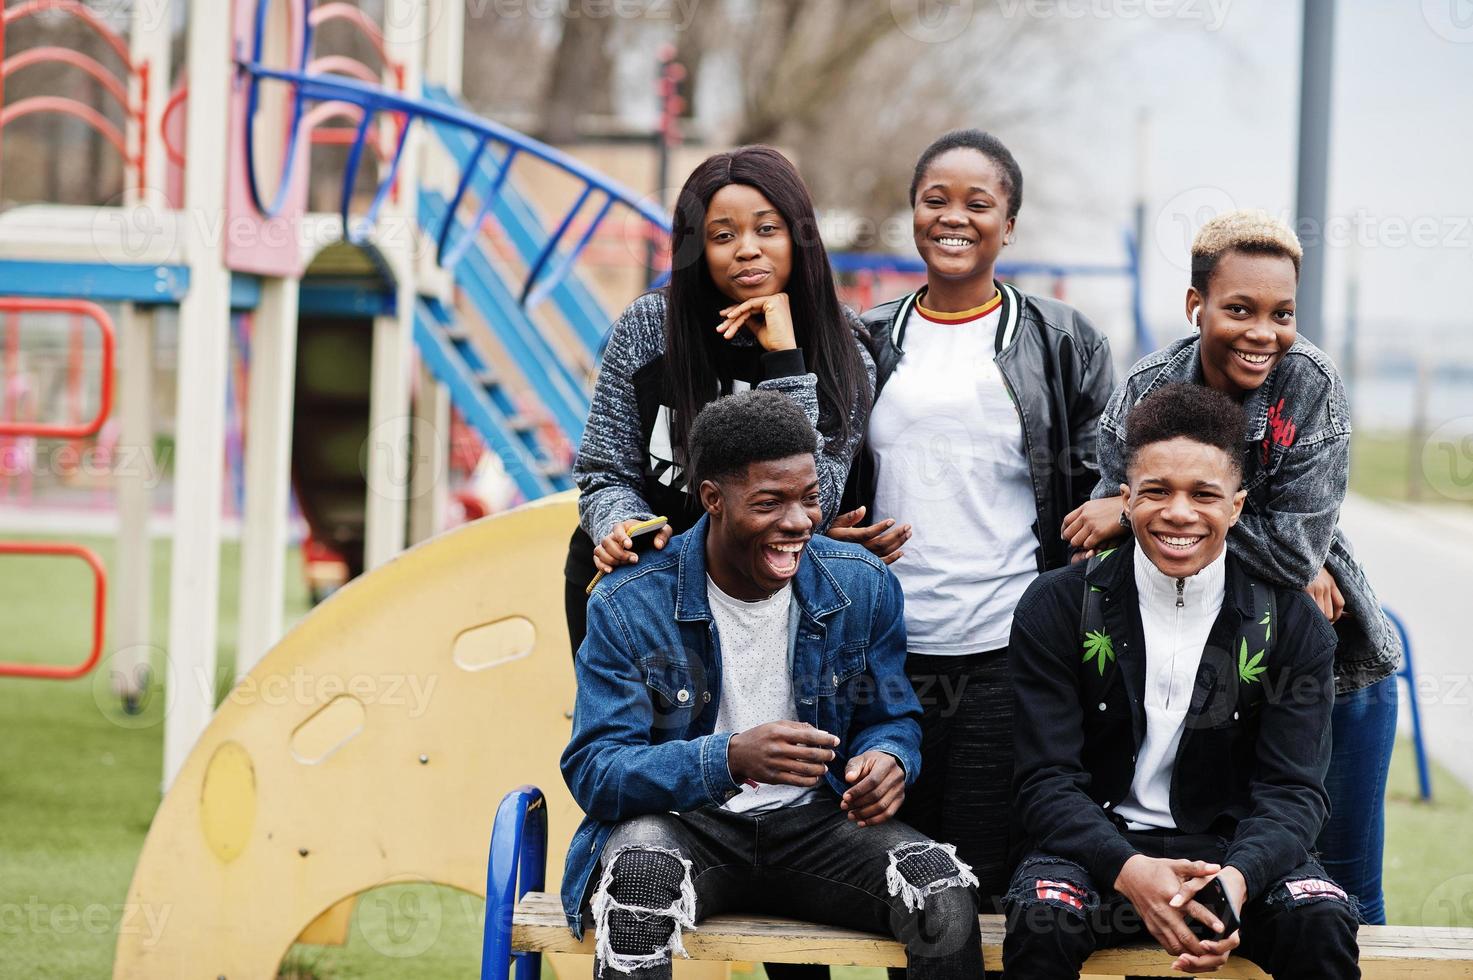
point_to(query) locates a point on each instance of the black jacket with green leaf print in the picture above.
(1296, 468)
(1251, 764)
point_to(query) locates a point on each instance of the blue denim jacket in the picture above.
(1296, 468)
(649, 685)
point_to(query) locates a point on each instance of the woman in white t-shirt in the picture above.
(982, 433)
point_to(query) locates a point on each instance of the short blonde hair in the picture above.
(1245, 230)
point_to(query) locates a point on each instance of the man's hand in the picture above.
(876, 788)
(1218, 950)
(1151, 884)
(1326, 594)
(618, 547)
(1094, 522)
(883, 540)
(788, 752)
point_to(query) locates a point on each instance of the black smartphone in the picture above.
(1214, 899)
(641, 536)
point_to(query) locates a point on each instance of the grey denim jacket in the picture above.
(1296, 470)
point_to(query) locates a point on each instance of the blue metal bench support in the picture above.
(517, 865)
(1408, 674)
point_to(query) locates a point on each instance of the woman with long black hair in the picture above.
(751, 304)
(981, 439)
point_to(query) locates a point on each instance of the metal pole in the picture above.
(204, 341)
(387, 452)
(667, 136)
(1311, 193)
(1143, 342)
(150, 43)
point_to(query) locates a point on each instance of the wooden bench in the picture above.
(523, 922)
(1385, 951)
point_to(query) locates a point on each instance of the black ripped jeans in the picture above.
(805, 862)
(1302, 927)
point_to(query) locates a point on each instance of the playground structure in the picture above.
(331, 309)
(446, 284)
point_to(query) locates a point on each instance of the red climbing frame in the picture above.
(77, 309)
(134, 158)
(99, 609)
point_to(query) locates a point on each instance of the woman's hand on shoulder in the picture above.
(883, 540)
(618, 548)
(769, 318)
(1094, 522)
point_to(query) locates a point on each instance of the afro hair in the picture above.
(749, 427)
(1187, 411)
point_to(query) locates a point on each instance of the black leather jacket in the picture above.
(1057, 369)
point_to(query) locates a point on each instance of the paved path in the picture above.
(1419, 559)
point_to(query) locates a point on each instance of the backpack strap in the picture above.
(1259, 631)
(1091, 611)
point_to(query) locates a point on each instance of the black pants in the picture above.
(575, 607)
(666, 871)
(1302, 927)
(964, 793)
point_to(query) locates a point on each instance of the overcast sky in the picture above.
(1221, 87)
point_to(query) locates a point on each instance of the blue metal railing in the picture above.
(524, 229)
(1408, 674)
(488, 408)
(859, 263)
(548, 268)
(560, 390)
(517, 865)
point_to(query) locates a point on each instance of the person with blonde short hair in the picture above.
(1296, 456)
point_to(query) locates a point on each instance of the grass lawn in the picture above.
(1387, 466)
(79, 782)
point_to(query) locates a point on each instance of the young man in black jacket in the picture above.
(1172, 731)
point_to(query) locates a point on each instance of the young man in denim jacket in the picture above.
(744, 729)
(1172, 732)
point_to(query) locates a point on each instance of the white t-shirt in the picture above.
(949, 460)
(1175, 637)
(756, 680)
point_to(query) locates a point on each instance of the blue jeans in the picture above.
(1363, 726)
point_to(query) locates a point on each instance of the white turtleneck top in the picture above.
(1176, 618)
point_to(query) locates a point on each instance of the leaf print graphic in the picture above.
(1098, 647)
(1249, 670)
(1268, 627)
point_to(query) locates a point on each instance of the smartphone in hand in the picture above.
(1214, 898)
(643, 536)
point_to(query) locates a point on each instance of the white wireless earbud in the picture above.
(1196, 314)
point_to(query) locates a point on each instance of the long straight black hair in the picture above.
(694, 304)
